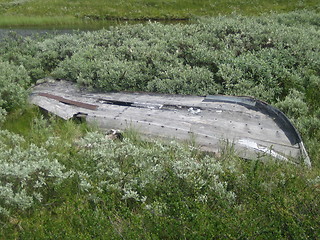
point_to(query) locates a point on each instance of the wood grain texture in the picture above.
(253, 131)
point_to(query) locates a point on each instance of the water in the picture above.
(30, 31)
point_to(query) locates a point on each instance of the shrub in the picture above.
(262, 56)
(246, 56)
(140, 173)
(14, 81)
(28, 175)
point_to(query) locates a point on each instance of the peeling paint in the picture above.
(253, 145)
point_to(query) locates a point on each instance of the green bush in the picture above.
(130, 188)
(139, 174)
(263, 56)
(155, 190)
(14, 81)
(244, 56)
(28, 175)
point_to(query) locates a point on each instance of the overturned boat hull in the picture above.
(253, 128)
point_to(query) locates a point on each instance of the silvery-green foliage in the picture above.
(13, 83)
(136, 172)
(183, 79)
(302, 17)
(254, 75)
(22, 51)
(258, 56)
(157, 208)
(27, 173)
(2, 115)
(262, 56)
(54, 50)
(39, 56)
(315, 181)
(307, 121)
(294, 104)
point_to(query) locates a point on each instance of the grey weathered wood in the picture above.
(253, 131)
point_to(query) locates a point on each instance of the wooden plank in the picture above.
(62, 110)
(68, 101)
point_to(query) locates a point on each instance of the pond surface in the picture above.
(29, 31)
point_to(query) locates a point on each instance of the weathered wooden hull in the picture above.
(253, 128)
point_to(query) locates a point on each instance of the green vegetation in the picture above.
(83, 185)
(55, 23)
(36, 13)
(60, 180)
(24, 21)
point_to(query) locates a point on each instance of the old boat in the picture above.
(253, 128)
